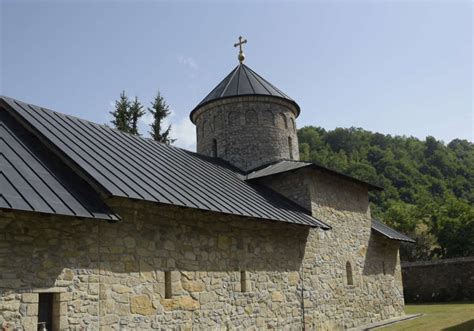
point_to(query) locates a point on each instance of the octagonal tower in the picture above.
(246, 121)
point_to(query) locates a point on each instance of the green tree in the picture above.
(136, 111)
(428, 185)
(160, 110)
(121, 114)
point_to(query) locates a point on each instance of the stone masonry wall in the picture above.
(330, 303)
(248, 131)
(111, 276)
(439, 281)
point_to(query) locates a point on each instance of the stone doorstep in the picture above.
(384, 323)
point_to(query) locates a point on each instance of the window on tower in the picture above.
(214, 148)
(290, 148)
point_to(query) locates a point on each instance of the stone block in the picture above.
(141, 304)
(29, 297)
(293, 278)
(277, 296)
(121, 289)
(30, 323)
(207, 297)
(67, 274)
(32, 310)
(223, 242)
(188, 303)
(192, 286)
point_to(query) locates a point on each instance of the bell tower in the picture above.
(246, 120)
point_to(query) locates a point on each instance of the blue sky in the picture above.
(397, 67)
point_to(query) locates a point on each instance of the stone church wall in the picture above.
(113, 275)
(248, 131)
(329, 301)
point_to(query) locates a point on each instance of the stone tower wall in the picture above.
(248, 131)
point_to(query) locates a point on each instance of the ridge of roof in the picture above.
(287, 165)
(388, 232)
(139, 168)
(243, 81)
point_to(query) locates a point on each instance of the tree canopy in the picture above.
(127, 114)
(429, 186)
(160, 110)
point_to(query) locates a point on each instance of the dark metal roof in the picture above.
(128, 166)
(243, 81)
(292, 165)
(33, 180)
(388, 232)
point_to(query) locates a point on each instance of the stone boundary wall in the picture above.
(439, 281)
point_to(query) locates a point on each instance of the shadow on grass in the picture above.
(466, 326)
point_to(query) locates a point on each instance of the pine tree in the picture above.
(160, 110)
(121, 114)
(135, 112)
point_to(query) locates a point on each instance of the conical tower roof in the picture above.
(243, 81)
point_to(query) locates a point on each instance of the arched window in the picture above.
(251, 118)
(281, 121)
(290, 148)
(203, 128)
(234, 118)
(293, 124)
(267, 118)
(350, 279)
(214, 148)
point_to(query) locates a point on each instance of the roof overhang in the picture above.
(389, 233)
(284, 166)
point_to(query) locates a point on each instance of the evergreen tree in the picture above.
(121, 114)
(135, 112)
(160, 110)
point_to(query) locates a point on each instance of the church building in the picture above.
(103, 230)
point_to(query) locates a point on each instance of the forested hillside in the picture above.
(429, 186)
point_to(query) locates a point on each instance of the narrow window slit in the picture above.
(350, 280)
(214, 148)
(290, 148)
(243, 281)
(168, 288)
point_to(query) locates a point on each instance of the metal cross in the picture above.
(241, 55)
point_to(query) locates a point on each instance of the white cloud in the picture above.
(185, 133)
(183, 130)
(188, 62)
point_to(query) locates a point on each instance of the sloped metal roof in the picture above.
(388, 232)
(243, 81)
(132, 167)
(292, 165)
(33, 180)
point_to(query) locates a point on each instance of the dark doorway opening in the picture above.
(45, 311)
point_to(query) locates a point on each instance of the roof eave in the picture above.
(409, 240)
(370, 186)
(203, 104)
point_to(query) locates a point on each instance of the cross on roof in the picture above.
(241, 55)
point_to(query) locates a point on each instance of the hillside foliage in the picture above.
(428, 185)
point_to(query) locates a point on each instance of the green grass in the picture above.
(447, 317)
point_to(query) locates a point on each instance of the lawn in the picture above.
(448, 317)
